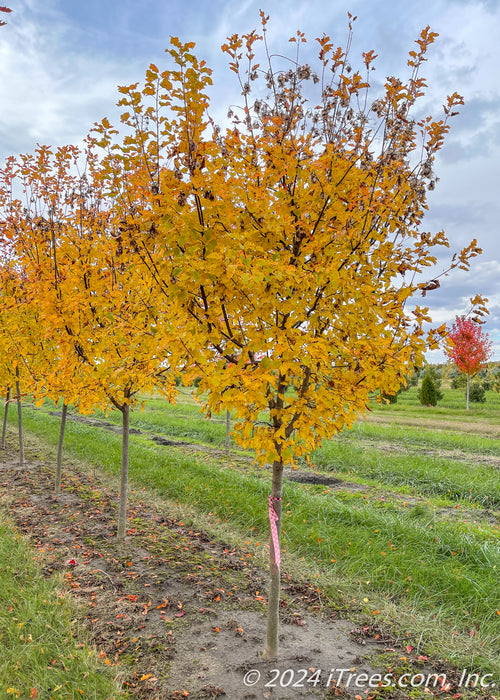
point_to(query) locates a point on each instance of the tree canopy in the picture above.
(290, 242)
(277, 257)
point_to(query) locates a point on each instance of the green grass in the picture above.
(404, 555)
(436, 438)
(41, 645)
(419, 474)
(454, 400)
(182, 421)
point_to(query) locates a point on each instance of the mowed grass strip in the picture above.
(182, 420)
(452, 405)
(42, 655)
(445, 571)
(420, 474)
(434, 438)
(345, 456)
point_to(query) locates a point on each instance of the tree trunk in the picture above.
(228, 431)
(122, 515)
(20, 420)
(272, 639)
(468, 388)
(60, 448)
(5, 416)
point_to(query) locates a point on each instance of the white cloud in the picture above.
(51, 92)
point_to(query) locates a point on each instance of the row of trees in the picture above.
(276, 258)
(79, 324)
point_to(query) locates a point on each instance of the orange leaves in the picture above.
(453, 101)
(88, 311)
(427, 37)
(435, 336)
(369, 57)
(246, 256)
(263, 18)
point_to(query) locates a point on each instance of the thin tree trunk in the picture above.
(272, 639)
(122, 515)
(468, 388)
(20, 420)
(5, 416)
(228, 431)
(60, 448)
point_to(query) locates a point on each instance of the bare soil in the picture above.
(175, 613)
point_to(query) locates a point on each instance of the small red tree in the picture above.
(471, 348)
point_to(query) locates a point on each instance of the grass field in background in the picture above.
(409, 538)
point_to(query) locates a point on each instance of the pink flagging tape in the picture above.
(273, 519)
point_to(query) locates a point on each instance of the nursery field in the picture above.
(391, 532)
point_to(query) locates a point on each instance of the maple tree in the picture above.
(288, 244)
(470, 348)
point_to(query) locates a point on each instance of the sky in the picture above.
(62, 60)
